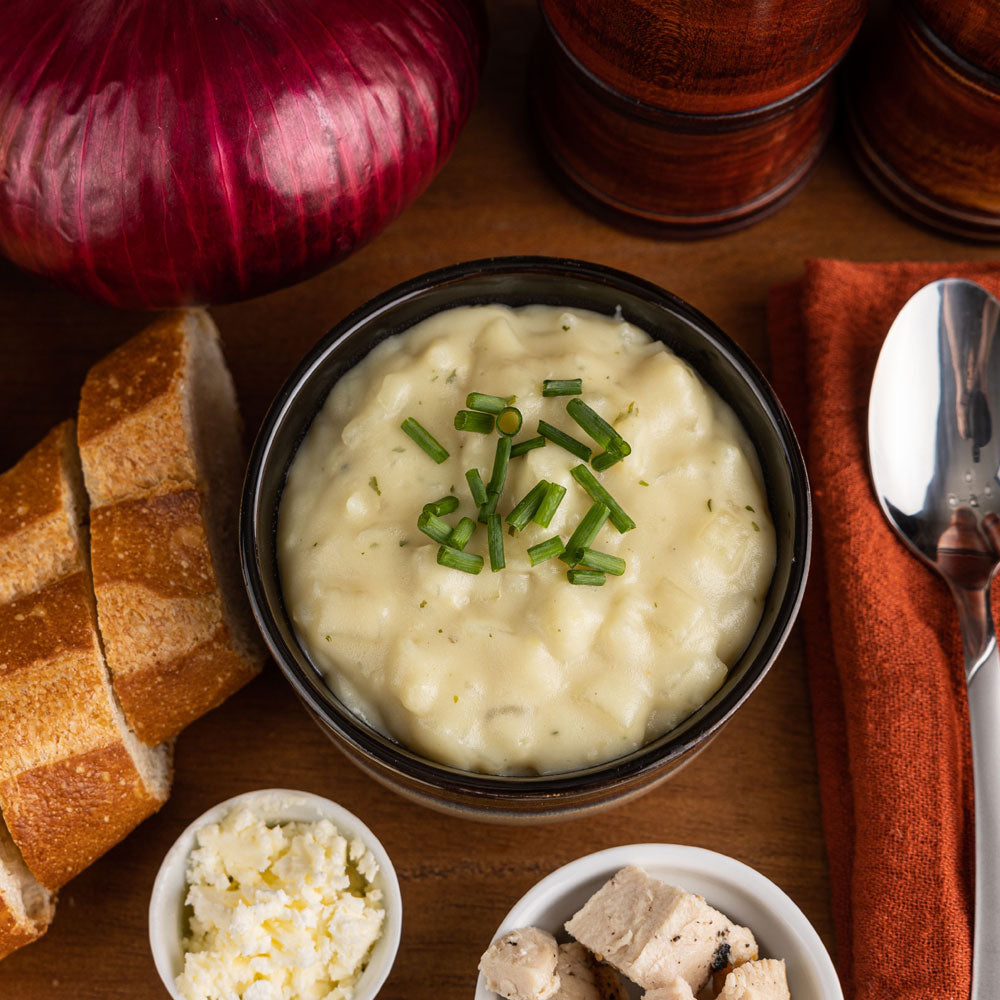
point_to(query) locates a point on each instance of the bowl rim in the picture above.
(414, 766)
(171, 879)
(703, 864)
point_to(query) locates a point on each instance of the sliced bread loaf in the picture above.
(160, 440)
(162, 613)
(26, 907)
(162, 408)
(73, 779)
(42, 512)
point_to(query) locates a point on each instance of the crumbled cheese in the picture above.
(278, 913)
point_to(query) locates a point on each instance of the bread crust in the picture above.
(69, 787)
(66, 814)
(15, 933)
(131, 432)
(177, 632)
(173, 657)
(185, 688)
(39, 517)
(26, 909)
(156, 541)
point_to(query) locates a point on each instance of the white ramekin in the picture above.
(743, 894)
(167, 921)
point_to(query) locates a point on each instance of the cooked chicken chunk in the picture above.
(610, 984)
(521, 965)
(763, 980)
(655, 933)
(677, 990)
(582, 977)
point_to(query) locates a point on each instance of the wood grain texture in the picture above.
(925, 126)
(969, 27)
(680, 175)
(706, 56)
(751, 794)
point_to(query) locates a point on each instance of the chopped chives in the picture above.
(597, 492)
(500, 460)
(546, 550)
(490, 507)
(509, 421)
(494, 535)
(614, 454)
(595, 425)
(586, 531)
(525, 509)
(529, 444)
(470, 420)
(562, 439)
(562, 386)
(549, 505)
(585, 577)
(424, 439)
(432, 526)
(467, 562)
(484, 403)
(461, 534)
(443, 506)
(603, 561)
(476, 487)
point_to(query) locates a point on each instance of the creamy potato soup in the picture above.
(518, 670)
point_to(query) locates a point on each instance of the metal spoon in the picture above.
(934, 449)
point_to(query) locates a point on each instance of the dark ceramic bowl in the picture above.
(517, 281)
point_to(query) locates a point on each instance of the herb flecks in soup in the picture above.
(508, 667)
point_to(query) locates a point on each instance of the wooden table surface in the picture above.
(752, 794)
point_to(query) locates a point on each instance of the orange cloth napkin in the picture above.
(884, 655)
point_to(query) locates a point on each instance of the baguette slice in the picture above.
(160, 441)
(42, 510)
(73, 779)
(26, 907)
(163, 618)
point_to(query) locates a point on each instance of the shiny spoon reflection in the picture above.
(934, 449)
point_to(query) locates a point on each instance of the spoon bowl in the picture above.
(934, 451)
(930, 440)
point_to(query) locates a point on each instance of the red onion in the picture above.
(159, 152)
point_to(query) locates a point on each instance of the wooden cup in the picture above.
(970, 28)
(687, 118)
(925, 128)
(708, 57)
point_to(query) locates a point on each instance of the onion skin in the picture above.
(165, 152)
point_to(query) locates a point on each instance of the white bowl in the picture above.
(167, 920)
(744, 895)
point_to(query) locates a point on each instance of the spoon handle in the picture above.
(984, 716)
